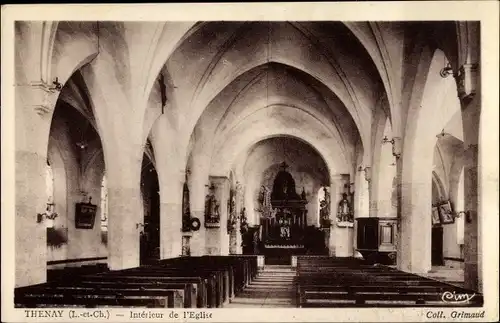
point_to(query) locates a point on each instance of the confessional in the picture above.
(376, 239)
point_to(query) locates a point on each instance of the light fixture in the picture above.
(386, 140)
(82, 144)
(396, 145)
(446, 71)
(467, 215)
(57, 86)
(366, 169)
(48, 215)
(140, 227)
(442, 134)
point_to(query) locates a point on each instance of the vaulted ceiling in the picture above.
(231, 85)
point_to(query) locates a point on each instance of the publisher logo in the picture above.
(452, 297)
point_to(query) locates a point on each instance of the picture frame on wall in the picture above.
(446, 213)
(85, 215)
(435, 216)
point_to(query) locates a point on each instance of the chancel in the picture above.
(247, 164)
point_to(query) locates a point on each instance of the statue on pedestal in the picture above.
(344, 213)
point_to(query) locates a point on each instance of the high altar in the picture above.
(283, 216)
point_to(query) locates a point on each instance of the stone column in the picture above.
(125, 214)
(468, 88)
(471, 271)
(414, 236)
(217, 239)
(34, 106)
(198, 183)
(171, 216)
(340, 239)
(125, 208)
(361, 205)
(240, 204)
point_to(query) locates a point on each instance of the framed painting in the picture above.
(85, 215)
(435, 216)
(446, 213)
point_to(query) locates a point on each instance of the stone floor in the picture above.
(450, 275)
(273, 287)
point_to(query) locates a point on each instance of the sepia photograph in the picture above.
(176, 169)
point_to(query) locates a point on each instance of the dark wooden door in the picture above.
(437, 246)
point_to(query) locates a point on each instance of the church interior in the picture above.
(217, 164)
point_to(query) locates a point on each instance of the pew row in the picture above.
(351, 282)
(188, 282)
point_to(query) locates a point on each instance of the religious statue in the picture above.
(284, 228)
(284, 185)
(325, 210)
(243, 221)
(344, 213)
(212, 210)
(231, 211)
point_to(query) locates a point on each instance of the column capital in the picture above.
(466, 79)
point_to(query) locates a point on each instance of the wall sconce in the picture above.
(48, 215)
(396, 145)
(468, 216)
(82, 144)
(57, 86)
(140, 226)
(442, 134)
(386, 140)
(446, 71)
(367, 172)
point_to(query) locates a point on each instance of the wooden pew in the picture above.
(352, 283)
(44, 295)
(206, 281)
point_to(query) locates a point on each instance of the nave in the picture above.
(249, 164)
(239, 281)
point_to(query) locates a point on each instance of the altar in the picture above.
(283, 219)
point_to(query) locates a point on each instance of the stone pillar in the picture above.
(197, 191)
(361, 205)
(313, 209)
(34, 107)
(340, 239)
(240, 204)
(217, 239)
(171, 216)
(468, 88)
(471, 271)
(125, 214)
(414, 236)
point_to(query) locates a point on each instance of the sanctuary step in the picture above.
(274, 286)
(203, 282)
(351, 282)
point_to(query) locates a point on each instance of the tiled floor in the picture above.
(273, 287)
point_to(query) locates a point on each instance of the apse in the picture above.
(304, 163)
